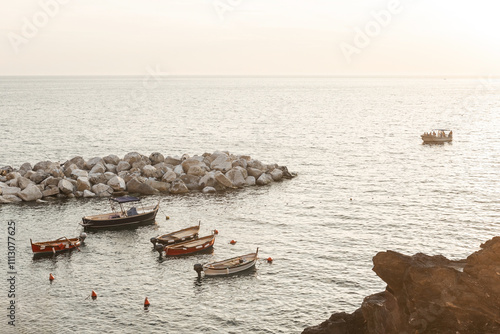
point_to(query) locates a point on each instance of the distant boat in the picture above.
(62, 244)
(230, 266)
(133, 217)
(190, 246)
(437, 136)
(177, 236)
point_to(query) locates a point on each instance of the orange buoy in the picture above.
(216, 232)
(146, 302)
(94, 295)
(269, 260)
(232, 242)
(51, 277)
(167, 217)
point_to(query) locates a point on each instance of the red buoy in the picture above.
(269, 260)
(146, 302)
(232, 242)
(94, 295)
(51, 277)
(216, 232)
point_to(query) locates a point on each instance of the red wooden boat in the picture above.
(190, 246)
(62, 244)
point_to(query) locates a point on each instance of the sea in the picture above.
(365, 184)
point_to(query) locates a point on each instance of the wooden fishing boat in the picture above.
(177, 236)
(122, 218)
(437, 136)
(190, 246)
(230, 266)
(62, 244)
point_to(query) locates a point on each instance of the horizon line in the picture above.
(442, 76)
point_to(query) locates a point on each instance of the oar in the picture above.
(72, 244)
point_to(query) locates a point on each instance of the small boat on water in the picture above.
(227, 267)
(436, 136)
(177, 236)
(190, 246)
(62, 244)
(123, 218)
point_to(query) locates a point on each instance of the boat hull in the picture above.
(120, 222)
(229, 270)
(231, 266)
(427, 139)
(190, 247)
(56, 246)
(178, 236)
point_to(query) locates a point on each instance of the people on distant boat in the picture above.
(450, 134)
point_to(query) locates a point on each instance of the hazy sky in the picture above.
(250, 37)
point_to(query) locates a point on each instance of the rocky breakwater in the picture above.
(428, 294)
(135, 174)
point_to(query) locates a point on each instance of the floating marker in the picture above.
(216, 232)
(51, 277)
(167, 217)
(269, 260)
(146, 302)
(232, 242)
(94, 295)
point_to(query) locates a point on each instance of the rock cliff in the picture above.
(428, 294)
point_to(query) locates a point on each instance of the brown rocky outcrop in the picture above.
(428, 294)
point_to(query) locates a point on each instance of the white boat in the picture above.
(437, 136)
(227, 267)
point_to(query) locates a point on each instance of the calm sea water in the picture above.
(365, 184)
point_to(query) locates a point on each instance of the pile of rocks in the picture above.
(428, 294)
(136, 174)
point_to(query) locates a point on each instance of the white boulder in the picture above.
(223, 180)
(158, 185)
(277, 174)
(122, 165)
(88, 193)
(209, 190)
(11, 191)
(117, 183)
(111, 159)
(76, 173)
(169, 176)
(236, 177)
(196, 170)
(178, 187)
(250, 180)
(222, 163)
(98, 168)
(31, 193)
(82, 183)
(102, 190)
(264, 179)
(156, 158)
(66, 187)
(94, 161)
(254, 172)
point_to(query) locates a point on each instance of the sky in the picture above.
(250, 37)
